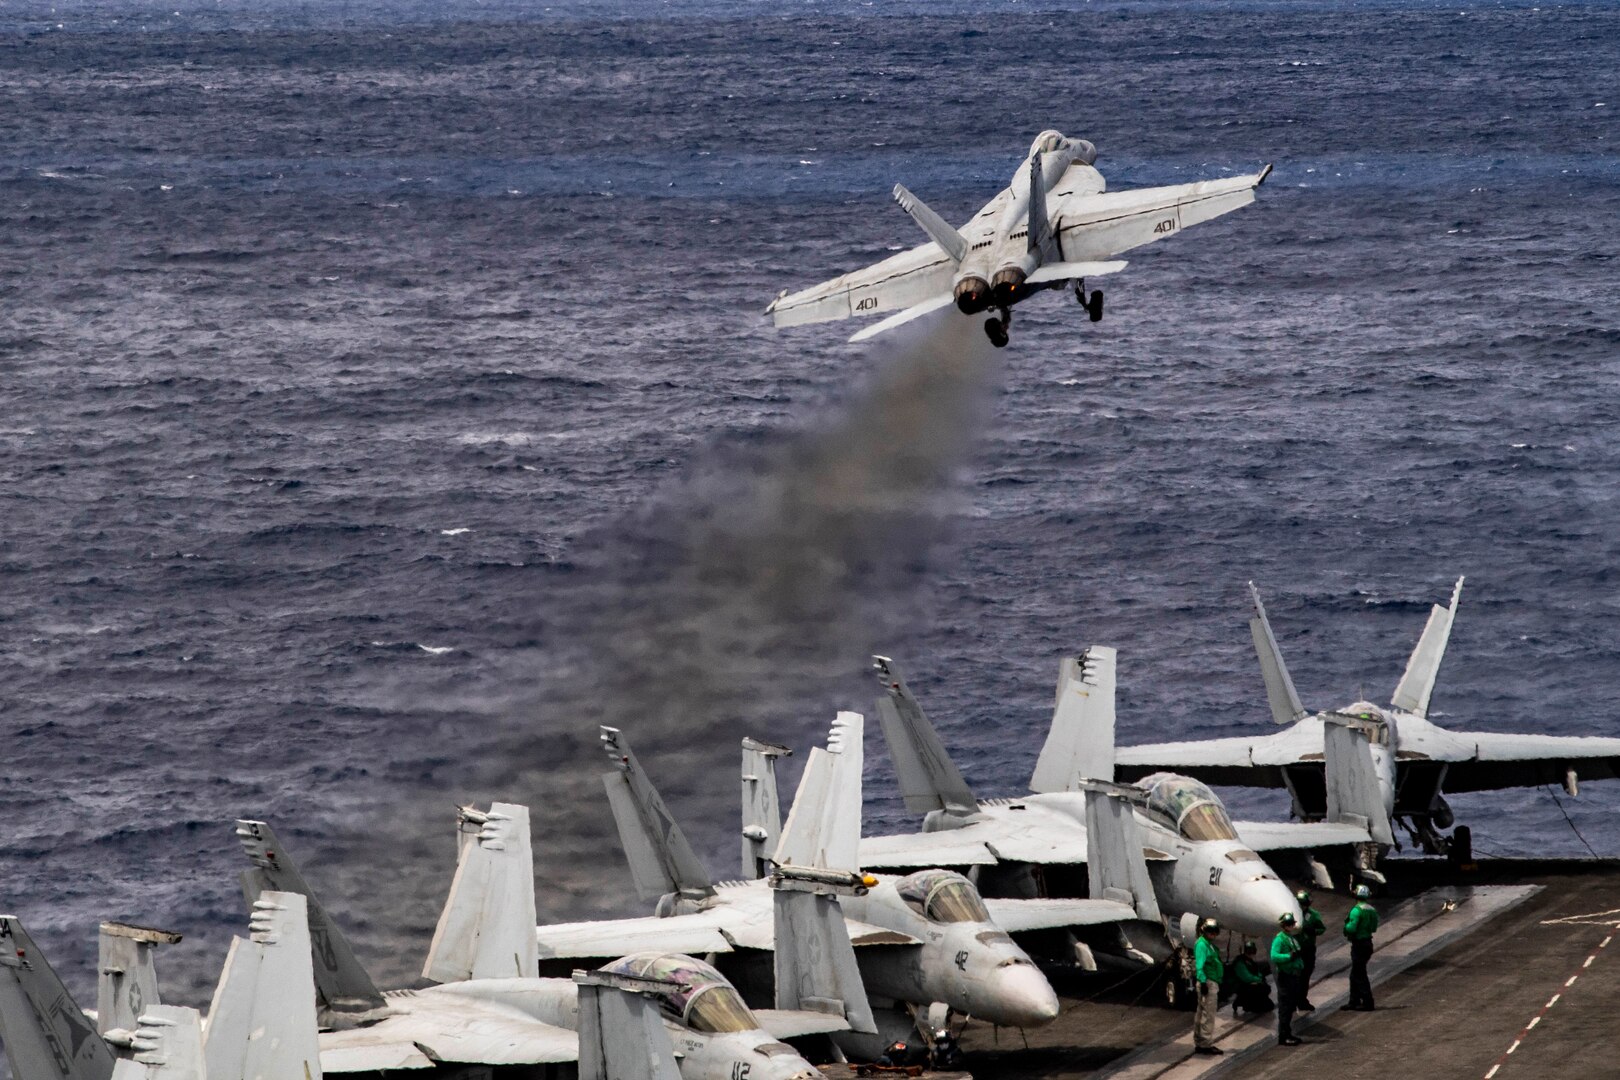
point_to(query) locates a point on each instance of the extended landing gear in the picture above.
(996, 329)
(1093, 303)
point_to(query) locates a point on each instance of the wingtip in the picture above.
(1264, 172)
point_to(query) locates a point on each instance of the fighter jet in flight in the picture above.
(1199, 862)
(1052, 227)
(1415, 761)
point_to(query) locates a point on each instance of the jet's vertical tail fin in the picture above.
(1080, 743)
(1353, 795)
(661, 860)
(1040, 228)
(486, 930)
(126, 977)
(949, 240)
(262, 1022)
(621, 1035)
(164, 1043)
(347, 994)
(824, 824)
(929, 780)
(1116, 869)
(1417, 685)
(818, 860)
(1280, 692)
(761, 808)
(47, 1035)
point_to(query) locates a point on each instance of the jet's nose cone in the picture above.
(1260, 904)
(1019, 996)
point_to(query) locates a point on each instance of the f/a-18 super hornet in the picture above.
(261, 1022)
(1052, 227)
(1198, 861)
(919, 939)
(490, 1008)
(1415, 762)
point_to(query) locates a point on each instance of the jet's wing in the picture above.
(692, 934)
(1485, 761)
(446, 1027)
(1252, 761)
(1095, 226)
(1008, 831)
(1263, 836)
(1014, 916)
(952, 847)
(791, 1023)
(898, 282)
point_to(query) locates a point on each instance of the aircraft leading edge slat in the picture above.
(1056, 213)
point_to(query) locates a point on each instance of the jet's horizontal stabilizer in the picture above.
(900, 318)
(1417, 685)
(1280, 692)
(1073, 271)
(929, 780)
(46, 1034)
(486, 930)
(949, 240)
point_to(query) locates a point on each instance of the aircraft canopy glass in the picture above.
(702, 999)
(942, 896)
(1188, 806)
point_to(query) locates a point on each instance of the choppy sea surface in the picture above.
(385, 402)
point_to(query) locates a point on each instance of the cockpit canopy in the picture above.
(701, 999)
(942, 896)
(1188, 807)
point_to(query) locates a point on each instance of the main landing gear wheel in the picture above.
(996, 329)
(1093, 304)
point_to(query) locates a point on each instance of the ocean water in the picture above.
(385, 402)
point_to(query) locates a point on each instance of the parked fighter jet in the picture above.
(261, 1023)
(1047, 229)
(920, 939)
(491, 1009)
(1415, 761)
(1200, 862)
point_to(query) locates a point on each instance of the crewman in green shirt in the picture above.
(1312, 929)
(1289, 965)
(1250, 990)
(1359, 927)
(1208, 970)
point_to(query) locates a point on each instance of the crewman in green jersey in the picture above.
(1289, 965)
(1360, 926)
(1312, 928)
(1208, 970)
(1251, 991)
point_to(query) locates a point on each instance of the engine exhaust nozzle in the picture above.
(972, 295)
(1008, 285)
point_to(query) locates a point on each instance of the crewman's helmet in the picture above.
(1248, 948)
(1362, 892)
(1209, 926)
(1304, 897)
(1286, 919)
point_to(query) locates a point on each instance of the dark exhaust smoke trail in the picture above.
(744, 600)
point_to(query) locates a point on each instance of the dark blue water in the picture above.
(386, 403)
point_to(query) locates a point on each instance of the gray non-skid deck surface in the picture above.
(1412, 932)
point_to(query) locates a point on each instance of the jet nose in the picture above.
(1260, 904)
(1019, 996)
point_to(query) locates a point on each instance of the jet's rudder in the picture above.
(1423, 667)
(761, 806)
(662, 862)
(1280, 692)
(1080, 744)
(46, 1035)
(262, 1023)
(126, 977)
(486, 930)
(929, 780)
